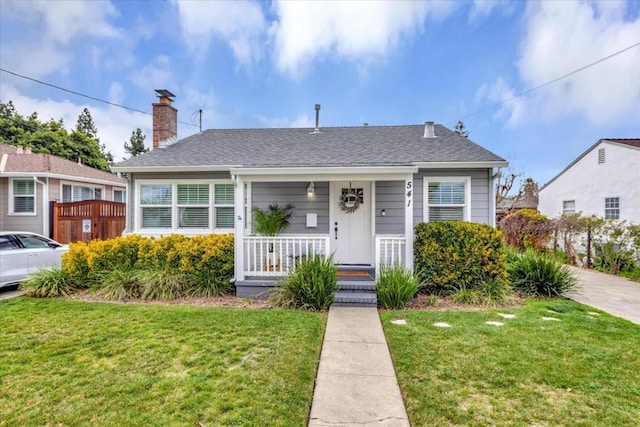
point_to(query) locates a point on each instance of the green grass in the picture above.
(576, 371)
(74, 363)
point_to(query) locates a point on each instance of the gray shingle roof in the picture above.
(298, 147)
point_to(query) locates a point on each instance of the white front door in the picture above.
(351, 231)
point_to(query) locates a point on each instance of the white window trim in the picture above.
(574, 206)
(467, 194)
(81, 184)
(11, 200)
(174, 207)
(604, 213)
(113, 193)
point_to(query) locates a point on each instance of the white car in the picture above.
(22, 253)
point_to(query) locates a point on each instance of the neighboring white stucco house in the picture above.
(603, 181)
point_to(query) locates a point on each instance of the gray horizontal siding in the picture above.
(32, 223)
(480, 202)
(265, 193)
(390, 198)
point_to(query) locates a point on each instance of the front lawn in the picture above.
(581, 369)
(73, 363)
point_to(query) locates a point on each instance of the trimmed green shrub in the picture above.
(540, 275)
(454, 255)
(310, 285)
(395, 287)
(204, 265)
(48, 283)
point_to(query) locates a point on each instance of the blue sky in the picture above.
(265, 64)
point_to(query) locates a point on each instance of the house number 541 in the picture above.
(409, 193)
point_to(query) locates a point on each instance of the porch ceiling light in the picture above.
(311, 189)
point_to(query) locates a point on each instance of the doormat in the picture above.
(353, 273)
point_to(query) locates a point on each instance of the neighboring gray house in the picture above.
(357, 191)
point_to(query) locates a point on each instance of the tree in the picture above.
(136, 146)
(51, 137)
(461, 129)
(504, 184)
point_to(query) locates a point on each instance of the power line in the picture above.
(528, 91)
(85, 95)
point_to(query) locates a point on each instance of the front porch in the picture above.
(268, 259)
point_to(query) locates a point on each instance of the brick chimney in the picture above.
(165, 120)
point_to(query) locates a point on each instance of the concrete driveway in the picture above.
(613, 294)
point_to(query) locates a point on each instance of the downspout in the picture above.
(3, 164)
(45, 204)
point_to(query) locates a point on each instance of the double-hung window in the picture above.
(446, 198)
(224, 202)
(568, 206)
(193, 205)
(186, 205)
(612, 208)
(23, 196)
(78, 193)
(156, 206)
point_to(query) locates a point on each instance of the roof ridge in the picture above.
(322, 127)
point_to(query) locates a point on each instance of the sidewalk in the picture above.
(613, 294)
(356, 384)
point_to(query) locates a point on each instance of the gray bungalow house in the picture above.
(357, 191)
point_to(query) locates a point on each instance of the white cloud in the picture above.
(114, 124)
(240, 23)
(49, 28)
(302, 120)
(564, 36)
(483, 8)
(157, 74)
(513, 111)
(357, 31)
(116, 93)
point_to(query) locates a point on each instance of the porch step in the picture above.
(355, 299)
(356, 285)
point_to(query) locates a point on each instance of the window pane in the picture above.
(224, 194)
(568, 206)
(23, 187)
(446, 193)
(612, 208)
(97, 193)
(445, 214)
(66, 193)
(119, 196)
(155, 194)
(24, 204)
(82, 193)
(193, 194)
(193, 217)
(156, 217)
(224, 217)
(30, 241)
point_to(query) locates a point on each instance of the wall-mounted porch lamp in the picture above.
(311, 189)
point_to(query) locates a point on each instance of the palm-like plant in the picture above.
(272, 221)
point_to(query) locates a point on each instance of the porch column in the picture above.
(408, 220)
(238, 259)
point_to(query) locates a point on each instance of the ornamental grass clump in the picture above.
(310, 285)
(48, 283)
(120, 284)
(395, 287)
(540, 275)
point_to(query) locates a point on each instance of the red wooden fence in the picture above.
(88, 220)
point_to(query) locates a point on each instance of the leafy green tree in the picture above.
(136, 146)
(51, 137)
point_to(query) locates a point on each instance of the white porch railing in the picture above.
(390, 250)
(275, 256)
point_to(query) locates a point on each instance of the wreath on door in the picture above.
(349, 200)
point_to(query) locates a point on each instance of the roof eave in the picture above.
(462, 165)
(122, 183)
(184, 168)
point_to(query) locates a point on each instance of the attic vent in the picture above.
(601, 156)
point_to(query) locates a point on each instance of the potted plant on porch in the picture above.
(271, 222)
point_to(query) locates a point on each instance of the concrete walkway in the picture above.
(356, 384)
(613, 294)
(10, 294)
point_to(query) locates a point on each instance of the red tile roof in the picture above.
(634, 142)
(48, 163)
